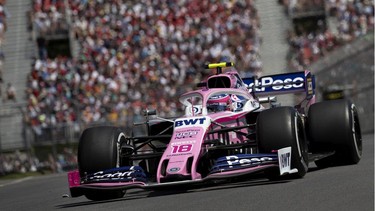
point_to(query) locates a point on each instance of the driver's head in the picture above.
(221, 102)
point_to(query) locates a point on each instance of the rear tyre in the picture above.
(98, 150)
(283, 127)
(334, 126)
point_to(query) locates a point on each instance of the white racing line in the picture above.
(12, 182)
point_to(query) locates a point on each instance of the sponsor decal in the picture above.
(237, 105)
(237, 98)
(101, 175)
(282, 82)
(285, 160)
(196, 110)
(183, 142)
(179, 154)
(310, 89)
(186, 134)
(235, 160)
(175, 169)
(241, 161)
(188, 122)
(269, 81)
(284, 156)
(119, 174)
(219, 96)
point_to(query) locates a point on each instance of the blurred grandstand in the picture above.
(76, 63)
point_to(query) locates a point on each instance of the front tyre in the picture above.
(98, 150)
(334, 126)
(283, 127)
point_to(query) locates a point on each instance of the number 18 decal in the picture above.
(182, 148)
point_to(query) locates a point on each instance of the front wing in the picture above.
(130, 177)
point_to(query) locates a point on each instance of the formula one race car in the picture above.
(232, 127)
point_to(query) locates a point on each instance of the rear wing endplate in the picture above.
(296, 82)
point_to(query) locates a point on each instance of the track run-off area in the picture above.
(337, 188)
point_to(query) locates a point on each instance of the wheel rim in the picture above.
(356, 131)
(120, 138)
(300, 138)
(298, 135)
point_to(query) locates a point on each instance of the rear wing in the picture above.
(296, 82)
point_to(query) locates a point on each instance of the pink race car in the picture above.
(231, 127)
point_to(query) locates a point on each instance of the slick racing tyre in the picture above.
(283, 127)
(334, 126)
(97, 151)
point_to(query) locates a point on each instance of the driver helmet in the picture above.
(221, 102)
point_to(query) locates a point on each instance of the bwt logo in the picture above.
(187, 122)
(285, 160)
(269, 82)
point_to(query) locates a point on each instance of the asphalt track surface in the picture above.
(338, 188)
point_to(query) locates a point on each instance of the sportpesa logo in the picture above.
(235, 160)
(269, 84)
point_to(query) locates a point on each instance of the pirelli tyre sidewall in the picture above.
(334, 126)
(283, 127)
(98, 150)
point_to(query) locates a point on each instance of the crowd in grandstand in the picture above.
(49, 18)
(16, 162)
(22, 162)
(352, 19)
(297, 6)
(143, 54)
(138, 54)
